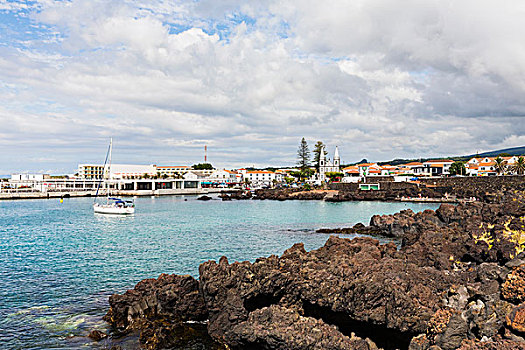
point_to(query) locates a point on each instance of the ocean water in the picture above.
(59, 262)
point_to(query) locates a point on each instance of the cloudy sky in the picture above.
(380, 78)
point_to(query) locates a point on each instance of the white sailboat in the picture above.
(115, 206)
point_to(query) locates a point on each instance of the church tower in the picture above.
(337, 160)
(322, 159)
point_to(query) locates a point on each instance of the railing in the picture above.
(18, 190)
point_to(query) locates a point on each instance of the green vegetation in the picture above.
(519, 166)
(458, 168)
(302, 174)
(303, 155)
(202, 166)
(318, 148)
(500, 166)
(333, 176)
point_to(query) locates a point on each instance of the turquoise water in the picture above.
(59, 262)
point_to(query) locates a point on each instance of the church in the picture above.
(327, 166)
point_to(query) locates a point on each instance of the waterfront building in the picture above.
(364, 168)
(132, 171)
(438, 167)
(260, 178)
(173, 170)
(90, 171)
(118, 171)
(329, 166)
(486, 166)
(29, 177)
(415, 168)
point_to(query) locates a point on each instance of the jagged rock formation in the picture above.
(456, 282)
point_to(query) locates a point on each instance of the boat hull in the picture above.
(113, 210)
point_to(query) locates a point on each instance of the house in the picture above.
(415, 168)
(438, 167)
(364, 168)
(260, 178)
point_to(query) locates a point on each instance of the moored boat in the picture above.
(115, 206)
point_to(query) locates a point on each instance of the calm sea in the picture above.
(59, 262)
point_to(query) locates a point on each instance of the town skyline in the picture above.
(380, 80)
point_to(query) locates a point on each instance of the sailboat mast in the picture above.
(109, 166)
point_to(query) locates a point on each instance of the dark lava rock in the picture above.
(358, 285)
(276, 327)
(358, 228)
(172, 297)
(97, 335)
(240, 195)
(516, 319)
(514, 287)
(225, 197)
(496, 343)
(204, 198)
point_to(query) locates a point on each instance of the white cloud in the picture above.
(380, 79)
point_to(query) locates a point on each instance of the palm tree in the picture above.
(519, 166)
(500, 165)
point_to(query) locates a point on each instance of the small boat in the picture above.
(114, 206)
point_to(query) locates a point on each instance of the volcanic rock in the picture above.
(172, 297)
(97, 335)
(516, 319)
(514, 287)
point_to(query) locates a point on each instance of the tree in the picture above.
(500, 165)
(307, 173)
(202, 166)
(289, 180)
(318, 148)
(332, 175)
(457, 168)
(303, 155)
(519, 166)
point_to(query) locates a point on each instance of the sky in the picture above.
(381, 79)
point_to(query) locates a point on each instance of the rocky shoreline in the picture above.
(457, 281)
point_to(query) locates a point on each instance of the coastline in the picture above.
(51, 195)
(457, 281)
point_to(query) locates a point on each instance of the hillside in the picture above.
(515, 151)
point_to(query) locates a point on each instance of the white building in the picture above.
(328, 166)
(90, 171)
(258, 178)
(438, 167)
(118, 171)
(132, 171)
(29, 177)
(173, 170)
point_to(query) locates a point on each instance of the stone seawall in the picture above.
(461, 187)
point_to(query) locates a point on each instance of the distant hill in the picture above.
(516, 151)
